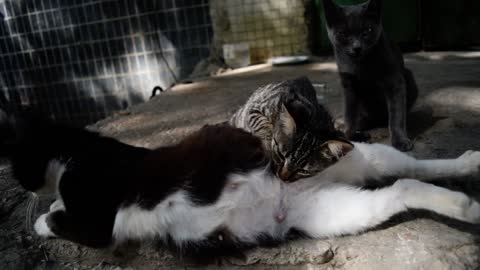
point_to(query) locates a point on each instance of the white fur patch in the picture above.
(41, 227)
(246, 210)
(450, 203)
(377, 161)
(341, 209)
(57, 205)
(353, 168)
(53, 174)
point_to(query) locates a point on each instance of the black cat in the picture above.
(95, 177)
(378, 89)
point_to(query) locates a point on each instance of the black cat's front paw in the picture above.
(43, 226)
(403, 145)
(358, 136)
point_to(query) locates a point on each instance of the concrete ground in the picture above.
(444, 123)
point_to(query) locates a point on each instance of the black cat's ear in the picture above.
(374, 8)
(287, 122)
(335, 149)
(333, 13)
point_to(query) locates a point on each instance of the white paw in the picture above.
(469, 163)
(447, 202)
(41, 227)
(57, 205)
(460, 206)
(471, 212)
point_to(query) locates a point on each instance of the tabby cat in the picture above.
(292, 125)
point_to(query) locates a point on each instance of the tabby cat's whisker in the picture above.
(31, 210)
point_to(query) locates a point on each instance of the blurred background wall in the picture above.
(79, 61)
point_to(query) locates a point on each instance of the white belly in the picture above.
(246, 207)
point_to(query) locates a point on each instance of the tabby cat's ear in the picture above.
(333, 13)
(335, 149)
(287, 123)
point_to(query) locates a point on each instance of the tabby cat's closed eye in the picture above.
(304, 173)
(277, 150)
(292, 125)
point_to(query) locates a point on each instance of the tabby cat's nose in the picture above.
(284, 173)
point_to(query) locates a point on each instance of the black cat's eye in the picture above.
(368, 31)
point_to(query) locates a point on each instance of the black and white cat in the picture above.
(216, 191)
(378, 88)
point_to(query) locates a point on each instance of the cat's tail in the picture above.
(27, 134)
(38, 148)
(18, 129)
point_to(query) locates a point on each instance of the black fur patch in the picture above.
(200, 165)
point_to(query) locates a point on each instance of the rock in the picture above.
(295, 253)
(419, 244)
(11, 256)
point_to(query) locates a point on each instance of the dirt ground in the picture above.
(444, 123)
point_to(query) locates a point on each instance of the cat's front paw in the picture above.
(403, 145)
(469, 163)
(42, 228)
(471, 211)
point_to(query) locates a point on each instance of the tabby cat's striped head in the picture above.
(304, 140)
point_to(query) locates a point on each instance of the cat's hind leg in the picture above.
(41, 226)
(341, 209)
(454, 204)
(59, 224)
